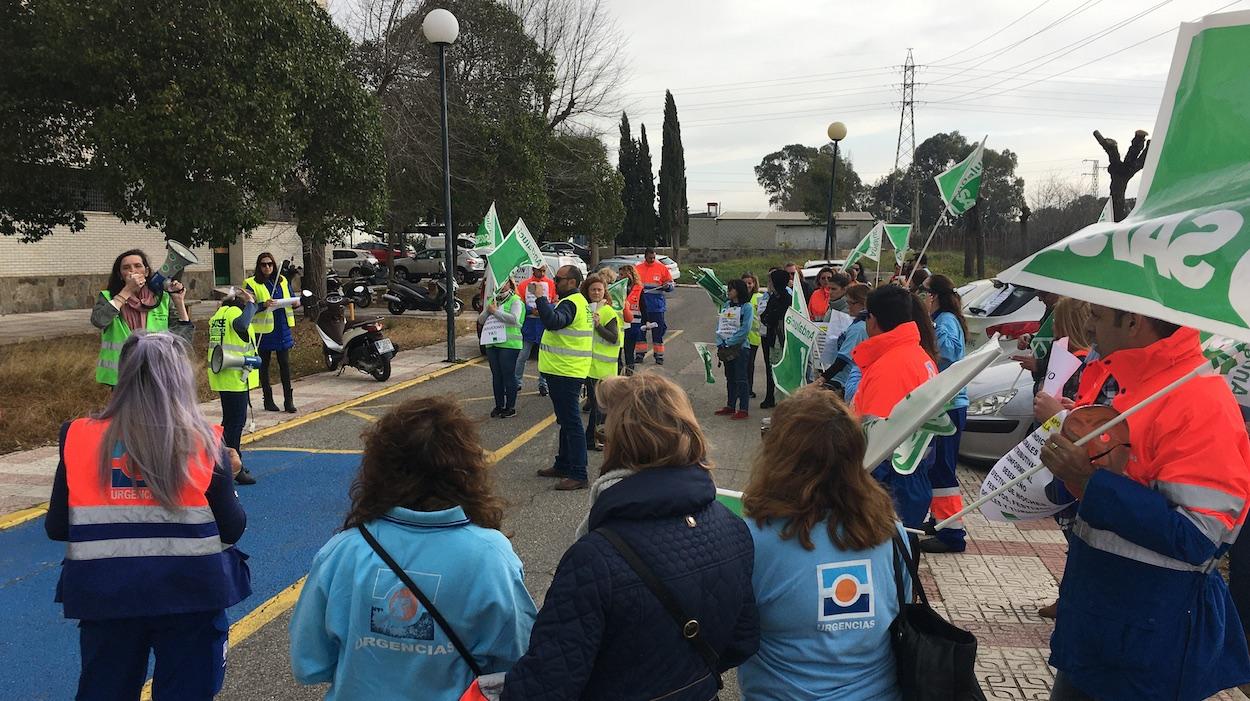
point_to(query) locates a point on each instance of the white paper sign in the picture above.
(285, 302)
(1025, 501)
(729, 322)
(1060, 368)
(493, 331)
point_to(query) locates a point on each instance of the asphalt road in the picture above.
(301, 498)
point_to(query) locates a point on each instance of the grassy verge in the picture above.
(949, 263)
(49, 382)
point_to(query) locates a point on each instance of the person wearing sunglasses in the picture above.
(273, 327)
(564, 359)
(1143, 610)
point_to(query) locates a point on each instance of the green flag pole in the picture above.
(925, 247)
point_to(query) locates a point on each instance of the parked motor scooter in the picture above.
(355, 289)
(359, 344)
(401, 296)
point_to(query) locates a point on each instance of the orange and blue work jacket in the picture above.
(129, 556)
(1143, 613)
(892, 365)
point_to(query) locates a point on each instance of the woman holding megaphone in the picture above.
(273, 323)
(233, 372)
(129, 304)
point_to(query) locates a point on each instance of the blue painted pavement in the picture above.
(298, 503)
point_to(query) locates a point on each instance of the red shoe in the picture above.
(739, 415)
(724, 411)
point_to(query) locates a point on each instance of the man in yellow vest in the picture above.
(564, 357)
(230, 328)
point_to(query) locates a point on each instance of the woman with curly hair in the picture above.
(813, 508)
(424, 493)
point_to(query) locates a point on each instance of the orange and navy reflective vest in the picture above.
(128, 556)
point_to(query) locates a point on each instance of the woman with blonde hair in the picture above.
(813, 508)
(654, 529)
(632, 314)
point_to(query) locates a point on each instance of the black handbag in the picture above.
(728, 354)
(935, 660)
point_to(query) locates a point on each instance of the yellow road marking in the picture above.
(256, 619)
(361, 415)
(19, 517)
(521, 440)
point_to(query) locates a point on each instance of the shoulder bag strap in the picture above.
(689, 626)
(416, 591)
(900, 552)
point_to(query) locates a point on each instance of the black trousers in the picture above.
(284, 370)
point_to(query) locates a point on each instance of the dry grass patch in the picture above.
(52, 381)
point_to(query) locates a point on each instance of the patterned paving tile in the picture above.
(1014, 673)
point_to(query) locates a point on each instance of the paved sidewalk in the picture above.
(26, 476)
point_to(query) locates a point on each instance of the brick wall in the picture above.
(66, 270)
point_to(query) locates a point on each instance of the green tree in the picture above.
(674, 227)
(181, 115)
(796, 178)
(648, 223)
(585, 191)
(627, 167)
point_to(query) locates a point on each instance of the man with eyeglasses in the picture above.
(564, 359)
(1143, 611)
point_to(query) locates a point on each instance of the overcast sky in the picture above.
(750, 77)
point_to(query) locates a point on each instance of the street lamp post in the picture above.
(836, 132)
(441, 29)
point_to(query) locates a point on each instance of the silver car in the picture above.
(1000, 413)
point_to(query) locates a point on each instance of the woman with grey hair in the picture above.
(144, 498)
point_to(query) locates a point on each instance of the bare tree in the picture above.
(584, 45)
(1122, 170)
(1053, 192)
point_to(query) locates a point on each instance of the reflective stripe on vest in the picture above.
(1113, 543)
(262, 321)
(221, 332)
(120, 517)
(604, 355)
(115, 334)
(567, 352)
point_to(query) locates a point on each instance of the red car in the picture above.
(381, 251)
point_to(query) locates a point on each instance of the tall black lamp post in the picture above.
(441, 29)
(837, 132)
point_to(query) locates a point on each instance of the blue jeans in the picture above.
(527, 347)
(233, 417)
(566, 399)
(502, 370)
(911, 493)
(190, 656)
(736, 381)
(947, 499)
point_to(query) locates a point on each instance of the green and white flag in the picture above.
(517, 249)
(706, 278)
(908, 454)
(900, 238)
(1107, 213)
(731, 499)
(489, 233)
(1231, 359)
(797, 301)
(790, 370)
(1183, 253)
(868, 247)
(709, 360)
(960, 185)
(617, 292)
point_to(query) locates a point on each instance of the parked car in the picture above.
(567, 248)
(998, 307)
(616, 262)
(351, 262)
(383, 252)
(812, 267)
(1000, 413)
(470, 267)
(553, 261)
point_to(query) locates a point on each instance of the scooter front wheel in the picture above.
(332, 361)
(395, 307)
(381, 370)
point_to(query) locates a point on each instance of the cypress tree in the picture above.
(627, 165)
(645, 204)
(674, 227)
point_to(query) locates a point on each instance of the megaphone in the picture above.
(177, 257)
(221, 360)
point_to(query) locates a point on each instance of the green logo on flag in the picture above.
(706, 278)
(900, 238)
(518, 248)
(961, 185)
(868, 247)
(489, 233)
(705, 352)
(617, 292)
(790, 370)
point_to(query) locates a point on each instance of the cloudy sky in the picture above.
(1037, 76)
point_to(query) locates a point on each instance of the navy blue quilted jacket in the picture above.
(602, 634)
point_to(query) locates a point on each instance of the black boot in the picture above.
(288, 396)
(268, 392)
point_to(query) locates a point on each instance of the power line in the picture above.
(906, 145)
(1005, 27)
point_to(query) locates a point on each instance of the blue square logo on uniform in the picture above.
(845, 590)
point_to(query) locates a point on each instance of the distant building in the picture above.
(769, 231)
